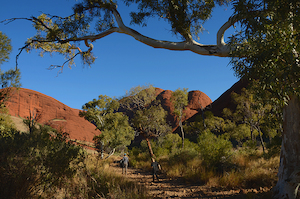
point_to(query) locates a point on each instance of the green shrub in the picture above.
(183, 157)
(213, 149)
(35, 162)
(138, 157)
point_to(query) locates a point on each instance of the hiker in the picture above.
(124, 162)
(156, 168)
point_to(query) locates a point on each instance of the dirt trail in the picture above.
(175, 188)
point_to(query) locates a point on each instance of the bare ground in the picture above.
(176, 188)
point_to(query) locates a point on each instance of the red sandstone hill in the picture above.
(224, 101)
(51, 112)
(197, 100)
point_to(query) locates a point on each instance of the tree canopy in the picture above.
(267, 47)
(5, 47)
(116, 131)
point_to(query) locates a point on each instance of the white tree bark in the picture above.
(289, 169)
(220, 49)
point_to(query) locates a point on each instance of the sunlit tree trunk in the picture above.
(181, 128)
(289, 169)
(262, 141)
(150, 148)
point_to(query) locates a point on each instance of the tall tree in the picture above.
(267, 48)
(116, 131)
(148, 116)
(179, 100)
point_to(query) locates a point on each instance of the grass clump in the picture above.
(98, 180)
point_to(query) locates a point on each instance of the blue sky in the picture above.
(122, 62)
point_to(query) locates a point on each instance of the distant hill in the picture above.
(224, 101)
(49, 111)
(197, 100)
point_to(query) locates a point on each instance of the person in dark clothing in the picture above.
(155, 168)
(124, 162)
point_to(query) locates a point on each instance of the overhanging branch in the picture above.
(221, 49)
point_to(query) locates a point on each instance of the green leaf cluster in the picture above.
(5, 47)
(185, 16)
(114, 126)
(148, 116)
(179, 100)
(267, 46)
(151, 121)
(213, 148)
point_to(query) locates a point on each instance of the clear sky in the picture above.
(122, 62)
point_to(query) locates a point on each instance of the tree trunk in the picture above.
(102, 146)
(150, 148)
(182, 133)
(289, 169)
(181, 128)
(111, 153)
(261, 140)
(203, 118)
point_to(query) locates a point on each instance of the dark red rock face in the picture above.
(51, 112)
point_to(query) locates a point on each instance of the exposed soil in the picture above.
(175, 188)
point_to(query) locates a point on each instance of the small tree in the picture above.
(253, 113)
(33, 164)
(179, 101)
(9, 78)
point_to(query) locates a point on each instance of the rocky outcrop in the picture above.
(224, 101)
(47, 110)
(197, 101)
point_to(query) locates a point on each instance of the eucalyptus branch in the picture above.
(220, 49)
(62, 66)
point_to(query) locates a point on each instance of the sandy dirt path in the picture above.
(175, 188)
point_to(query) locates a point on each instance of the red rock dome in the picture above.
(197, 100)
(49, 111)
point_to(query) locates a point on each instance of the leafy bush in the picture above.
(167, 144)
(274, 147)
(139, 158)
(213, 149)
(31, 162)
